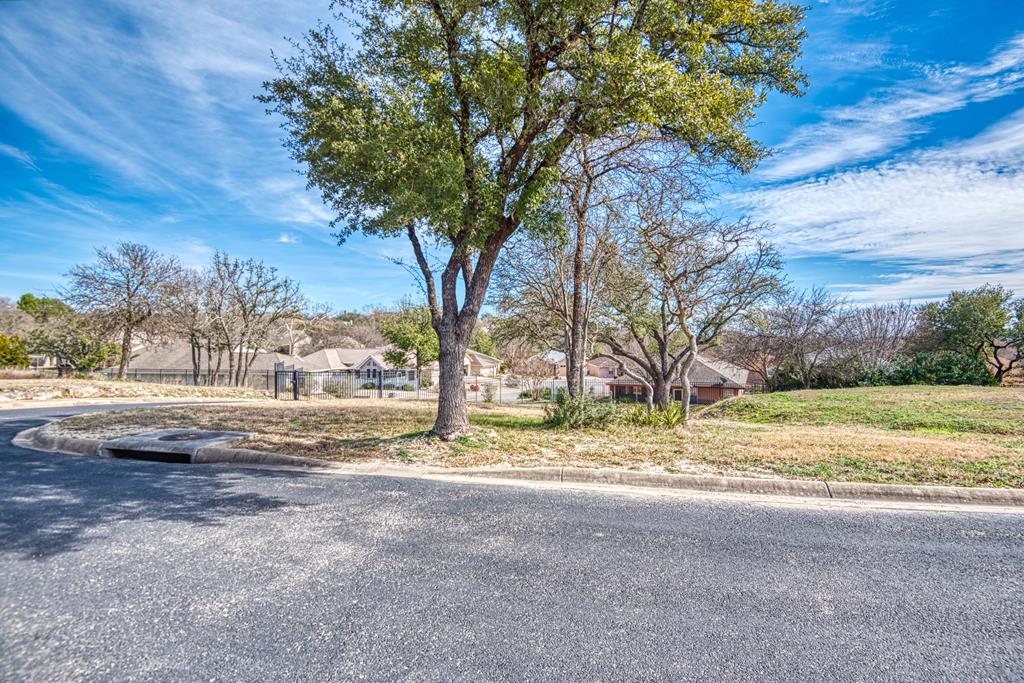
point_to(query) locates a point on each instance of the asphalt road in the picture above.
(118, 570)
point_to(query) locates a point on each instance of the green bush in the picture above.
(369, 385)
(942, 367)
(672, 416)
(489, 391)
(408, 387)
(576, 413)
(339, 389)
(13, 352)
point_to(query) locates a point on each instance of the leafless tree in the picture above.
(248, 300)
(124, 289)
(13, 320)
(878, 335)
(680, 280)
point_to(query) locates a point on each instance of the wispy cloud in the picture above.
(888, 119)
(287, 238)
(21, 155)
(963, 202)
(160, 95)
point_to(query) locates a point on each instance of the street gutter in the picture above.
(44, 439)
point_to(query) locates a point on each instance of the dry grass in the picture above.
(517, 436)
(52, 388)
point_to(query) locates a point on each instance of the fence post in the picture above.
(380, 384)
(295, 385)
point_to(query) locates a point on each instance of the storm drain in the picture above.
(152, 456)
(167, 445)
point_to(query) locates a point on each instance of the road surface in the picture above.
(121, 570)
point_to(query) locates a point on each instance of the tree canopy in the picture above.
(449, 119)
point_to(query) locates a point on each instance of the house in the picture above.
(710, 381)
(555, 360)
(474, 364)
(176, 356)
(600, 368)
(365, 364)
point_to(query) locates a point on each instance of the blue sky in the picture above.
(899, 175)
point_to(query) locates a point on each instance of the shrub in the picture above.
(576, 413)
(672, 416)
(388, 386)
(408, 387)
(425, 382)
(339, 389)
(489, 391)
(942, 367)
(13, 352)
(369, 385)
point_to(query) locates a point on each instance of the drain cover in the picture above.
(184, 436)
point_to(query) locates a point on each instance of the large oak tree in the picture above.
(448, 119)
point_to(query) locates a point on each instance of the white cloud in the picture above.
(21, 155)
(159, 94)
(890, 118)
(288, 238)
(950, 216)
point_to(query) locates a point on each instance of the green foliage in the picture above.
(409, 331)
(13, 352)
(980, 322)
(673, 415)
(68, 338)
(483, 342)
(578, 413)
(42, 308)
(454, 116)
(942, 367)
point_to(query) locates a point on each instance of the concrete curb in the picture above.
(39, 438)
(245, 456)
(806, 488)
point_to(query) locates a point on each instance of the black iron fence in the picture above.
(261, 380)
(312, 385)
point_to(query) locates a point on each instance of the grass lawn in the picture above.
(936, 435)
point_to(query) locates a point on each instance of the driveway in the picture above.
(120, 570)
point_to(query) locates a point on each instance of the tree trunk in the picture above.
(684, 378)
(662, 393)
(197, 359)
(574, 349)
(452, 419)
(126, 353)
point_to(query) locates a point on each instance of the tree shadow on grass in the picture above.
(50, 502)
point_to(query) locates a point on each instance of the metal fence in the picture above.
(296, 384)
(318, 385)
(261, 380)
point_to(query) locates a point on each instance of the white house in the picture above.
(365, 364)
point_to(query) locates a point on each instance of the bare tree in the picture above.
(811, 321)
(123, 290)
(878, 335)
(13, 320)
(250, 300)
(189, 316)
(681, 279)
